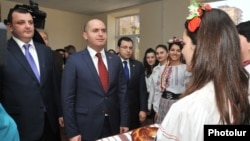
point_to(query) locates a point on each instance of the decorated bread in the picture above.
(144, 134)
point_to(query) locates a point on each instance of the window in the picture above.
(237, 10)
(129, 26)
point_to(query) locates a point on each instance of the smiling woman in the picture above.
(174, 76)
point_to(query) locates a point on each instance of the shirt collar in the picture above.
(93, 52)
(21, 43)
(124, 60)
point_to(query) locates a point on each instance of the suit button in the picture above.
(105, 113)
(43, 108)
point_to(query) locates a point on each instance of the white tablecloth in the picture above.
(122, 137)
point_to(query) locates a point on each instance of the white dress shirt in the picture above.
(95, 58)
(32, 50)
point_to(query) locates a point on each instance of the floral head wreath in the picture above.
(175, 40)
(196, 10)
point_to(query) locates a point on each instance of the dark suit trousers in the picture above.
(48, 132)
(106, 130)
(134, 118)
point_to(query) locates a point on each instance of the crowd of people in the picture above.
(65, 94)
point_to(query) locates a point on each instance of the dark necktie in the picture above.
(31, 61)
(103, 72)
(126, 70)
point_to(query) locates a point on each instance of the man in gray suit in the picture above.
(93, 107)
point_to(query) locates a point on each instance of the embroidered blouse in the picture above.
(176, 84)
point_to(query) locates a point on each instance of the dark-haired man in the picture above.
(29, 88)
(136, 85)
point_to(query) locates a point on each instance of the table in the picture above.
(124, 136)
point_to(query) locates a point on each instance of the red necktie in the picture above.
(103, 72)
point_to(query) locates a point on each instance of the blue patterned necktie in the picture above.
(126, 70)
(31, 61)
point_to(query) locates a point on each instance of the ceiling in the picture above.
(89, 7)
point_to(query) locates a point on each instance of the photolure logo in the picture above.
(221, 132)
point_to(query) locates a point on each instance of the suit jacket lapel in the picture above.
(41, 60)
(132, 71)
(14, 49)
(90, 64)
(110, 68)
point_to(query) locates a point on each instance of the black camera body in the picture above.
(38, 15)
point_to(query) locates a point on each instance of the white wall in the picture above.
(160, 21)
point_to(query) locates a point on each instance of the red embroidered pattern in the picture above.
(165, 77)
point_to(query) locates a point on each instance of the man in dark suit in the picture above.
(136, 89)
(58, 58)
(30, 92)
(93, 107)
(43, 38)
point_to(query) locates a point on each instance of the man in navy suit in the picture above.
(90, 110)
(136, 89)
(31, 100)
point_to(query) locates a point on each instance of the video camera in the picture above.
(38, 15)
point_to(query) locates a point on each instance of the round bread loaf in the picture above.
(144, 134)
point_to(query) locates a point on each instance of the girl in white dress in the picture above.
(154, 88)
(149, 62)
(218, 88)
(174, 77)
